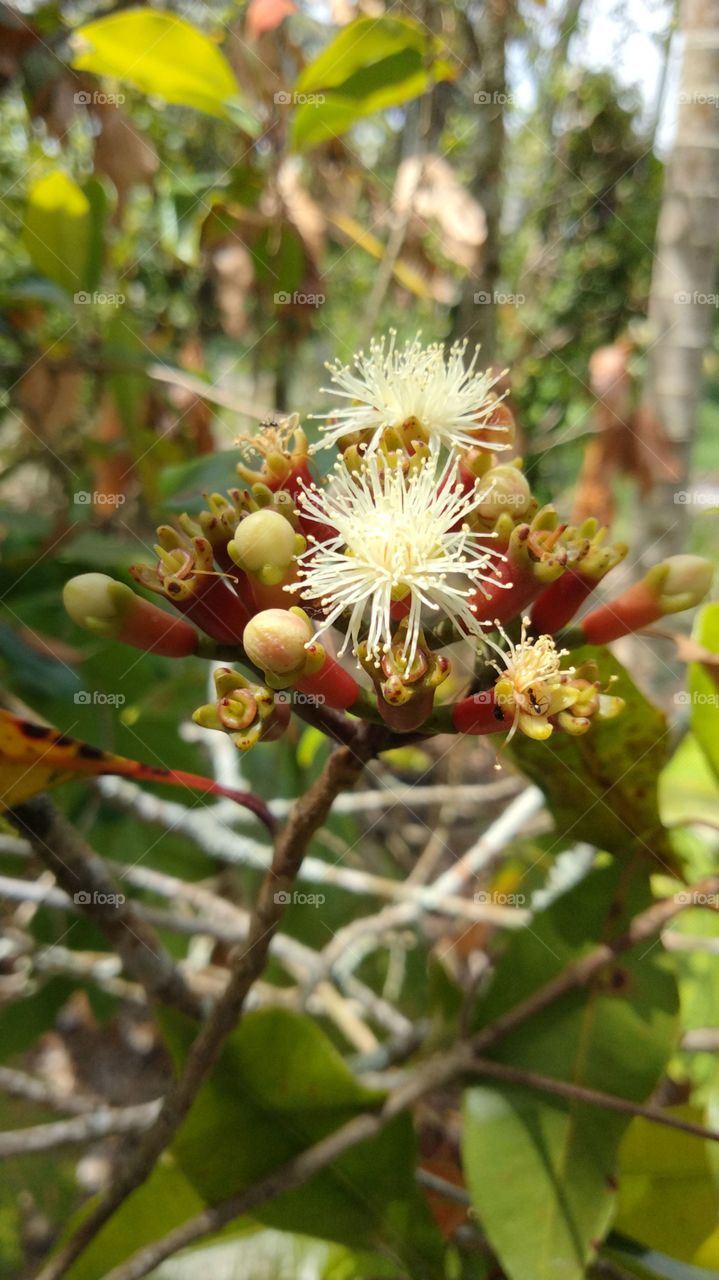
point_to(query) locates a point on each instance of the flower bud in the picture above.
(112, 610)
(405, 690)
(680, 582)
(265, 545)
(246, 712)
(281, 643)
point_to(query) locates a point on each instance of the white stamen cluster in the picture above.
(400, 536)
(392, 385)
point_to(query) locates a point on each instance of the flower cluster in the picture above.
(419, 554)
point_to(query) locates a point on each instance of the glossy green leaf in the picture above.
(602, 786)
(372, 64)
(279, 1087)
(541, 1169)
(58, 229)
(668, 1197)
(703, 689)
(159, 54)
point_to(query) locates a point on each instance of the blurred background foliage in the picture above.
(201, 207)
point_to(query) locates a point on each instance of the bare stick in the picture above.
(99, 1123)
(20, 1084)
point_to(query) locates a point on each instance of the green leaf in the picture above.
(602, 786)
(668, 1197)
(541, 1169)
(22, 1021)
(703, 690)
(162, 1203)
(280, 1086)
(687, 786)
(58, 229)
(182, 485)
(372, 64)
(159, 54)
(96, 192)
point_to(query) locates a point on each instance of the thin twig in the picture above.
(341, 770)
(20, 1084)
(436, 1072)
(85, 878)
(206, 828)
(300, 961)
(594, 1097)
(99, 1123)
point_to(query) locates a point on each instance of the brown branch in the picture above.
(86, 880)
(341, 770)
(438, 1071)
(593, 1097)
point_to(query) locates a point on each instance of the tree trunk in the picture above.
(476, 314)
(682, 306)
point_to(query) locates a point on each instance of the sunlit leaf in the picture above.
(372, 64)
(159, 54)
(57, 230)
(668, 1198)
(704, 689)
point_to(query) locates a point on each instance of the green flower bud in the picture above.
(265, 545)
(681, 582)
(112, 610)
(97, 603)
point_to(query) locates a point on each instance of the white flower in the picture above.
(399, 538)
(391, 386)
